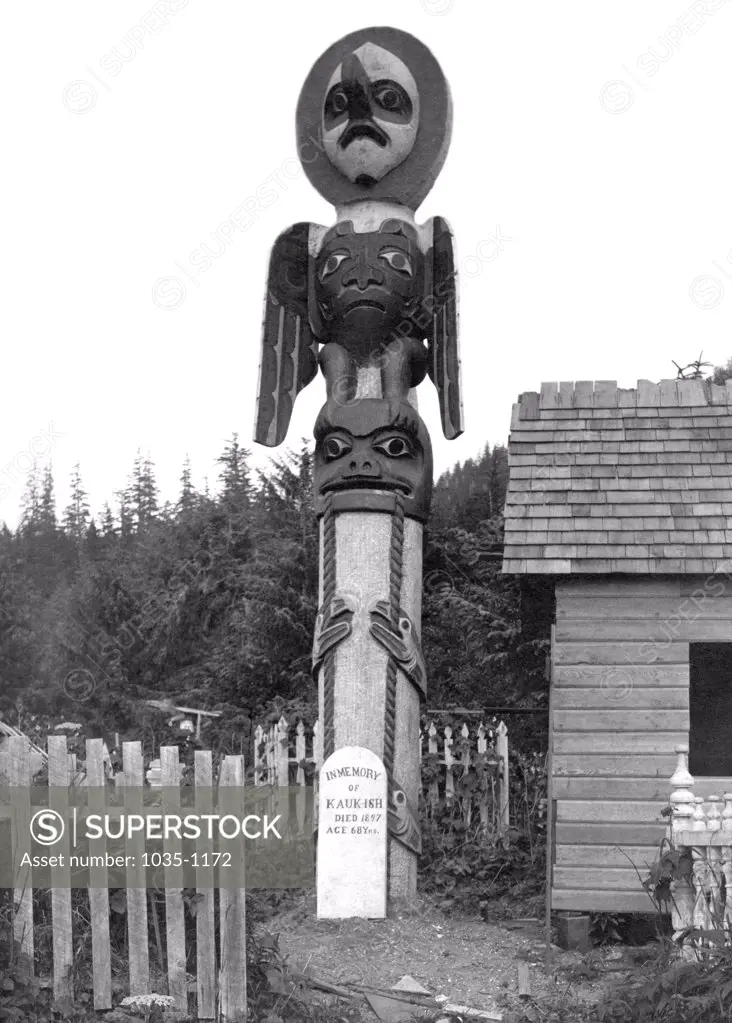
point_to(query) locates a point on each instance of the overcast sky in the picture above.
(588, 186)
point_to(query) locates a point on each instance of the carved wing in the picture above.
(444, 355)
(289, 352)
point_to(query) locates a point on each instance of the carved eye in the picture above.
(336, 104)
(395, 447)
(390, 96)
(398, 261)
(331, 264)
(335, 446)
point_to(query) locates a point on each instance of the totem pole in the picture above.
(372, 301)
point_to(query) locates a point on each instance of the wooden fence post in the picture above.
(19, 777)
(98, 891)
(58, 800)
(205, 937)
(136, 875)
(232, 906)
(174, 917)
(503, 784)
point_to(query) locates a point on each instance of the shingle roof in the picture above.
(604, 479)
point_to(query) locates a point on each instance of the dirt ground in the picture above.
(473, 962)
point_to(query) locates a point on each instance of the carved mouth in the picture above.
(367, 303)
(363, 130)
(365, 483)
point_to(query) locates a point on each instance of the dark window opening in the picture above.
(710, 709)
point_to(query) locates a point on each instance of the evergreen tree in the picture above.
(234, 474)
(76, 516)
(187, 499)
(30, 502)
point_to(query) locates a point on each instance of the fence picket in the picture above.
(174, 918)
(98, 876)
(449, 768)
(503, 791)
(19, 778)
(232, 904)
(205, 936)
(60, 769)
(136, 875)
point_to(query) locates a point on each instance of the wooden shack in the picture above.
(624, 498)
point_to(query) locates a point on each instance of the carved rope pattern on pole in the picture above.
(329, 591)
(396, 560)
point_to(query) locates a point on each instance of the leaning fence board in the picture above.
(19, 779)
(62, 936)
(137, 950)
(175, 937)
(232, 907)
(98, 891)
(205, 935)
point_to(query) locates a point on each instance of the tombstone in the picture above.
(352, 835)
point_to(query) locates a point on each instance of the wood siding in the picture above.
(620, 705)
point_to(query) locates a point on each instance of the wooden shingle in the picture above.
(607, 479)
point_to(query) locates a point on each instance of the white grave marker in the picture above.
(352, 835)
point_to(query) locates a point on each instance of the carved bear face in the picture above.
(373, 445)
(368, 286)
(370, 114)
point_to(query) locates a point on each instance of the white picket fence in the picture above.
(282, 751)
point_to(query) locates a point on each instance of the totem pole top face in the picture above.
(374, 119)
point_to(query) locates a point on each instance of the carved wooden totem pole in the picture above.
(372, 301)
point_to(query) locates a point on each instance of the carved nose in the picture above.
(362, 467)
(362, 275)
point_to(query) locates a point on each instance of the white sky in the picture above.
(607, 217)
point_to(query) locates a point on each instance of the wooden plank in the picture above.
(611, 788)
(174, 916)
(19, 778)
(621, 720)
(662, 633)
(615, 690)
(135, 873)
(205, 934)
(703, 605)
(98, 877)
(610, 834)
(601, 901)
(606, 856)
(613, 765)
(622, 742)
(607, 811)
(615, 586)
(232, 905)
(608, 878)
(622, 653)
(637, 674)
(62, 937)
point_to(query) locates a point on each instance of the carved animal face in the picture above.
(367, 284)
(370, 114)
(373, 445)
